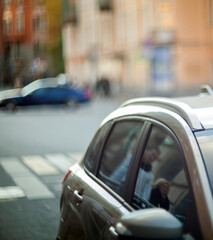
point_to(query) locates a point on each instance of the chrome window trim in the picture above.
(178, 107)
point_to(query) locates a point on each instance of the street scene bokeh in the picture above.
(143, 47)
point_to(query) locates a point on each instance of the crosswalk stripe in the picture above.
(11, 192)
(28, 182)
(61, 161)
(39, 165)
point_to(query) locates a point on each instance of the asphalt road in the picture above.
(36, 148)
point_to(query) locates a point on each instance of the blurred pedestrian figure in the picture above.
(103, 87)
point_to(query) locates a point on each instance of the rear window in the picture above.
(205, 140)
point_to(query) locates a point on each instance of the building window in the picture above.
(210, 11)
(70, 11)
(36, 2)
(7, 3)
(19, 21)
(36, 23)
(19, 3)
(105, 5)
(7, 22)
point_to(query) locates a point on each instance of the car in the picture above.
(147, 174)
(46, 91)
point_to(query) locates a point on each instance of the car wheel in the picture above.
(10, 106)
(72, 103)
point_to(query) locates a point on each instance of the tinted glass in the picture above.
(40, 92)
(94, 149)
(162, 181)
(118, 152)
(205, 140)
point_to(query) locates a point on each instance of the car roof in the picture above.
(197, 111)
(46, 82)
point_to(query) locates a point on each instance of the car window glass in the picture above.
(94, 149)
(162, 181)
(118, 152)
(40, 92)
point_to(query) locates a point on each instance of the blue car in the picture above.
(47, 91)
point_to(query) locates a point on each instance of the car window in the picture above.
(118, 152)
(40, 92)
(161, 180)
(93, 152)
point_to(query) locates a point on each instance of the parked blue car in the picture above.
(46, 91)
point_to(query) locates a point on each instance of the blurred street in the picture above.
(36, 148)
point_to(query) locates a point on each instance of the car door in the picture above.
(57, 95)
(97, 192)
(162, 179)
(39, 96)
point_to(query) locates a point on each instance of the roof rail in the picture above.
(206, 89)
(181, 108)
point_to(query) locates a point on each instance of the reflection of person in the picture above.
(159, 193)
(119, 173)
(145, 175)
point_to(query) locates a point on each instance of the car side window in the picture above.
(162, 181)
(118, 153)
(40, 92)
(93, 152)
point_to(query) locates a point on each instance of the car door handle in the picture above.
(113, 231)
(78, 195)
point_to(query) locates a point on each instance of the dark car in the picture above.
(47, 91)
(147, 174)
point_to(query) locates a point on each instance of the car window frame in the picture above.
(93, 172)
(116, 121)
(150, 123)
(127, 196)
(94, 175)
(133, 171)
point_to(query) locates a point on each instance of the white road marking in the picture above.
(61, 161)
(28, 184)
(39, 165)
(21, 175)
(11, 192)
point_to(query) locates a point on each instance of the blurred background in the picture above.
(118, 48)
(137, 47)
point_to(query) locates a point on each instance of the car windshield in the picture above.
(31, 87)
(39, 84)
(205, 140)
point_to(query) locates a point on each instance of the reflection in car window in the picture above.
(94, 149)
(161, 180)
(118, 153)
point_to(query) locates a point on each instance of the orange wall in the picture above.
(193, 43)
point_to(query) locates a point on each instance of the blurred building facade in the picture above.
(22, 36)
(159, 45)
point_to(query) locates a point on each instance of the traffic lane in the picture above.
(51, 130)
